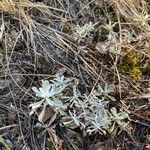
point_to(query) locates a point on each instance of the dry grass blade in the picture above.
(40, 39)
(19, 10)
(7, 6)
(11, 6)
(134, 11)
(55, 140)
(2, 28)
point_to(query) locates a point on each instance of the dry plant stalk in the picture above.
(18, 10)
(134, 11)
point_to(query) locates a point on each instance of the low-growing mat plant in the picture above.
(96, 41)
(83, 31)
(90, 113)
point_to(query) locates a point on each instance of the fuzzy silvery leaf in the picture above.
(58, 103)
(106, 90)
(76, 94)
(41, 115)
(82, 103)
(61, 111)
(82, 32)
(36, 105)
(74, 99)
(95, 101)
(55, 103)
(76, 118)
(47, 90)
(60, 83)
(46, 85)
(100, 119)
(110, 26)
(61, 80)
(52, 119)
(38, 93)
(50, 102)
(91, 129)
(119, 117)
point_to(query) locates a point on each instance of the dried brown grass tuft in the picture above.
(21, 10)
(134, 12)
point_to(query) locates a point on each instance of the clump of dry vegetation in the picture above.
(91, 45)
